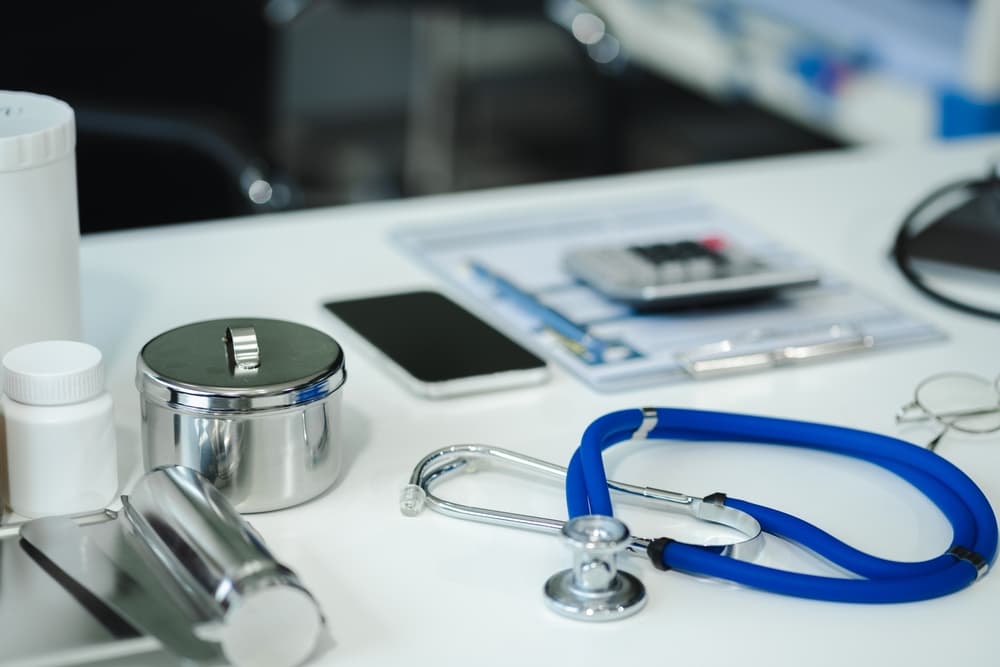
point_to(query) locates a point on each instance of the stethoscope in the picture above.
(595, 589)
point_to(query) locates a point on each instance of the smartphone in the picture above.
(436, 347)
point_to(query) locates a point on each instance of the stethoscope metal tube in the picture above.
(442, 463)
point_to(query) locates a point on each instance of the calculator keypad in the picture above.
(686, 271)
(668, 263)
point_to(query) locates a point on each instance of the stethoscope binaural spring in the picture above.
(443, 462)
(593, 589)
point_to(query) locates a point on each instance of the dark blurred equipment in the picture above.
(481, 7)
(949, 245)
(173, 102)
(197, 110)
(505, 93)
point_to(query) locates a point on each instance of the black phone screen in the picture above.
(432, 337)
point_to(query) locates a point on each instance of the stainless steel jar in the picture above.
(251, 404)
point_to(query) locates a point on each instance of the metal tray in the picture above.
(43, 624)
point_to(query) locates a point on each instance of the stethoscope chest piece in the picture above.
(594, 589)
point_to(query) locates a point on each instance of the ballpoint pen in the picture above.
(571, 335)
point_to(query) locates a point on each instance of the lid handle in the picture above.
(243, 350)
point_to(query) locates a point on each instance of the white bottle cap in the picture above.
(34, 130)
(53, 372)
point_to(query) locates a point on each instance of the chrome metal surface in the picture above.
(243, 348)
(442, 463)
(727, 356)
(10, 526)
(594, 589)
(192, 536)
(59, 543)
(234, 400)
(260, 462)
(625, 599)
(190, 367)
(43, 623)
(258, 416)
(976, 560)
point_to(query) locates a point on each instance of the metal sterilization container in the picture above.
(251, 404)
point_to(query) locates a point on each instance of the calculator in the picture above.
(684, 273)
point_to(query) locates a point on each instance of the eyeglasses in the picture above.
(946, 246)
(956, 401)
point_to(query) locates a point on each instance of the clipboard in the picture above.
(509, 269)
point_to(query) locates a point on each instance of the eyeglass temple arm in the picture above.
(904, 413)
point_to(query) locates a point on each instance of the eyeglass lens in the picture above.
(965, 402)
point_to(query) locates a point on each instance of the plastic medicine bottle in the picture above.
(39, 221)
(61, 452)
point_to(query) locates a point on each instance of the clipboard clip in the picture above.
(763, 349)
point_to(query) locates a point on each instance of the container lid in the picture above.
(53, 372)
(34, 130)
(240, 365)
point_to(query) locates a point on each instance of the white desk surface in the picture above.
(436, 590)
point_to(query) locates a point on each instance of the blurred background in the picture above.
(193, 110)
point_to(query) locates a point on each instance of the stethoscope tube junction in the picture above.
(594, 589)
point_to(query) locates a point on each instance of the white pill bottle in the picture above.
(61, 451)
(39, 221)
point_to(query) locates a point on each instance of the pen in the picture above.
(575, 337)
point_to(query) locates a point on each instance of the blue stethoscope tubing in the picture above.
(973, 522)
